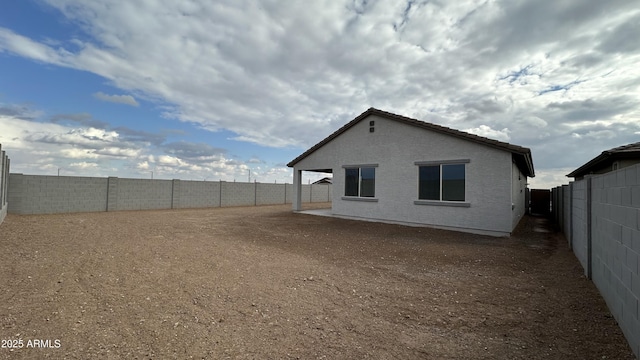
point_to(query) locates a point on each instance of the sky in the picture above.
(234, 90)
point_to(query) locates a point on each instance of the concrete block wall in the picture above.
(557, 204)
(271, 194)
(319, 193)
(139, 194)
(238, 194)
(306, 193)
(605, 235)
(199, 194)
(4, 184)
(311, 193)
(566, 210)
(37, 194)
(616, 247)
(579, 222)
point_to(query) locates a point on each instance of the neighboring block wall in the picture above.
(518, 195)
(605, 234)
(616, 247)
(4, 184)
(238, 194)
(271, 194)
(579, 222)
(199, 194)
(36, 194)
(29, 194)
(566, 210)
(138, 194)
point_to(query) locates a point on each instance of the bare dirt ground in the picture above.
(265, 283)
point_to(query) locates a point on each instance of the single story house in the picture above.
(609, 160)
(392, 168)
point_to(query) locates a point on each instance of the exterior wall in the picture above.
(623, 163)
(395, 147)
(605, 234)
(36, 194)
(518, 195)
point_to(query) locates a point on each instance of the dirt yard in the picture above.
(264, 283)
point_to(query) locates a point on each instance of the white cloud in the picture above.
(117, 151)
(550, 178)
(602, 134)
(15, 43)
(46, 148)
(75, 153)
(169, 160)
(119, 99)
(84, 165)
(486, 131)
(144, 165)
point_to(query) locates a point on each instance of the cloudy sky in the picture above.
(197, 89)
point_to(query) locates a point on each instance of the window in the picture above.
(360, 181)
(441, 181)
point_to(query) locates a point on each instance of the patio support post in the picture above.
(297, 189)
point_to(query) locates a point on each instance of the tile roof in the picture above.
(624, 148)
(521, 154)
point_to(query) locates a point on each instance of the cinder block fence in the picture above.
(600, 216)
(4, 183)
(37, 194)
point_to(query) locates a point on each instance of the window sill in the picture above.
(442, 203)
(356, 198)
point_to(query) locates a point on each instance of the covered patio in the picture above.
(297, 186)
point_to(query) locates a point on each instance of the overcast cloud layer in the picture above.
(558, 76)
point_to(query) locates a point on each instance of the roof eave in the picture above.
(585, 169)
(604, 157)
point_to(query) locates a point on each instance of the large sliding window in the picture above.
(442, 181)
(360, 181)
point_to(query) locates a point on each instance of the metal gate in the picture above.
(540, 202)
